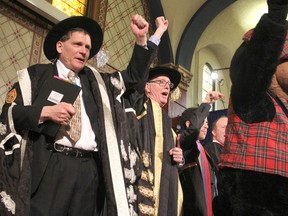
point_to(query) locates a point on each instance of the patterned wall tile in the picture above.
(118, 38)
(20, 46)
(15, 48)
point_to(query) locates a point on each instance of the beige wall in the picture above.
(218, 42)
(206, 55)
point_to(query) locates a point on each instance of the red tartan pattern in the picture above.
(261, 147)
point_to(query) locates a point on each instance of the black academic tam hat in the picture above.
(172, 74)
(187, 115)
(61, 28)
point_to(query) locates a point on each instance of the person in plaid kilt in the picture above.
(254, 162)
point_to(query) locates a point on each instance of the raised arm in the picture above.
(196, 119)
(254, 63)
(137, 72)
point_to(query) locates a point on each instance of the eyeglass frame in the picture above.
(162, 83)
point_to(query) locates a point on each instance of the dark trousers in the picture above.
(248, 193)
(68, 188)
(194, 202)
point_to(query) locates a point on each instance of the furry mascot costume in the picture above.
(254, 163)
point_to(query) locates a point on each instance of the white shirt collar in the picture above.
(62, 70)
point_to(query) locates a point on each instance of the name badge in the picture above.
(55, 97)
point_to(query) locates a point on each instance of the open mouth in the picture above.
(165, 93)
(80, 59)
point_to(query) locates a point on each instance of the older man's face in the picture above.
(158, 89)
(75, 52)
(219, 131)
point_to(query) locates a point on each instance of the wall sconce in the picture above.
(214, 77)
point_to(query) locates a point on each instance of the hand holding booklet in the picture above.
(54, 91)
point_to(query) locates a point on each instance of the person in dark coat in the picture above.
(197, 176)
(215, 147)
(160, 192)
(131, 152)
(253, 165)
(60, 174)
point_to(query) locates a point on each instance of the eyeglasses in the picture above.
(162, 83)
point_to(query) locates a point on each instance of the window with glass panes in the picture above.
(207, 84)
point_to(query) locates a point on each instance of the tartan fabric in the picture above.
(284, 54)
(260, 147)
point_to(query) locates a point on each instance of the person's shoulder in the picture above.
(89, 69)
(38, 71)
(109, 78)
(209, 145)
(40, 67)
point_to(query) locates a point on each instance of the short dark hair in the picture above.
(216, 120)
(68, 34)
(186, 116)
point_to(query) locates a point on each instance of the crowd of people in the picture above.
(102, 144)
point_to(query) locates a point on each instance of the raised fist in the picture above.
(277, 2)
(277, 9)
